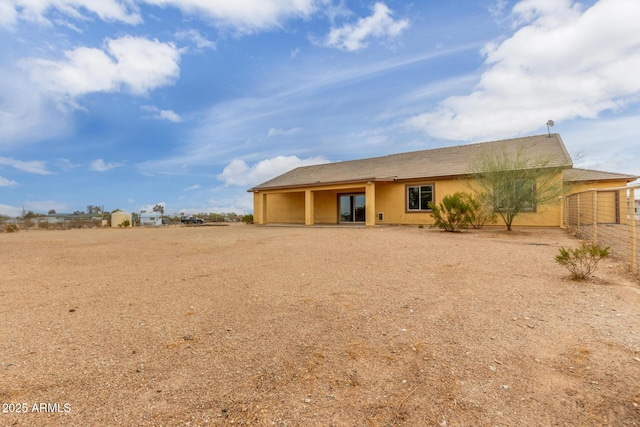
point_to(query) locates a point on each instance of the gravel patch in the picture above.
(322, 326)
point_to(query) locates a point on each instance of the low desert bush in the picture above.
(452, 213)
(10, 228)
(125, 223)
(479, 214)
(247, 219)
(582, 261)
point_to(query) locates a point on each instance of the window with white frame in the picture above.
(419, 197)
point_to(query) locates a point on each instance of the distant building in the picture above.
(150, 219)
(61, 218)
(119, 217)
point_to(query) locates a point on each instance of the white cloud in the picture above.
(192, 188)
(562, 63)
(99, 165)
(44, 206)
(149, 208)
(161, 114)
(66, 164)
(25, 114)
(170, 115)
(354, 37)
(34, 206)
(609, 144)
(4, 182)
(244, 16)
(240, 16)
(240, 204)
(8, 14)
(497, 9)
(34, 166)
(36, 10)
(239, 173)
(196, 38)
(10, 211)
(136, 63)
(283, 132)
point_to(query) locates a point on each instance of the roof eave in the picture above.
(621, 178)
(322, 184)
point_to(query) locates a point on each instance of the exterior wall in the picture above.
(288, 206)
(259, 207)
(285, 208)
(326, 207)
(118, 217)
(326, 202)
(576, 187)
(391, 199)
(601, 203)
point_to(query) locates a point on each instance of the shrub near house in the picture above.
(452, 213)
(459, 211)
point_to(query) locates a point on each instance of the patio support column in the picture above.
(595, 215)
(370, 207)
(308, 207)
(260, 208)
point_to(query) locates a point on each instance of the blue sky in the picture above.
(188, 103)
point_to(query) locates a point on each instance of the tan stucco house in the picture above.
(395, 189)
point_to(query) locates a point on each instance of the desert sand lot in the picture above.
(291, 326)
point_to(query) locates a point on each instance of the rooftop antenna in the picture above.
(549, 125)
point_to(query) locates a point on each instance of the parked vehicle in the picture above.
(191, 220)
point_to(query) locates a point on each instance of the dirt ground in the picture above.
(291, 326)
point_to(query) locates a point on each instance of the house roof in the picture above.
(578, 175)
(439, 162)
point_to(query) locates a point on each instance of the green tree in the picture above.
(91, 209)
(159, 208)
(512, 183)
(51, 212)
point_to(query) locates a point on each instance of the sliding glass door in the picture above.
(352, 208)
